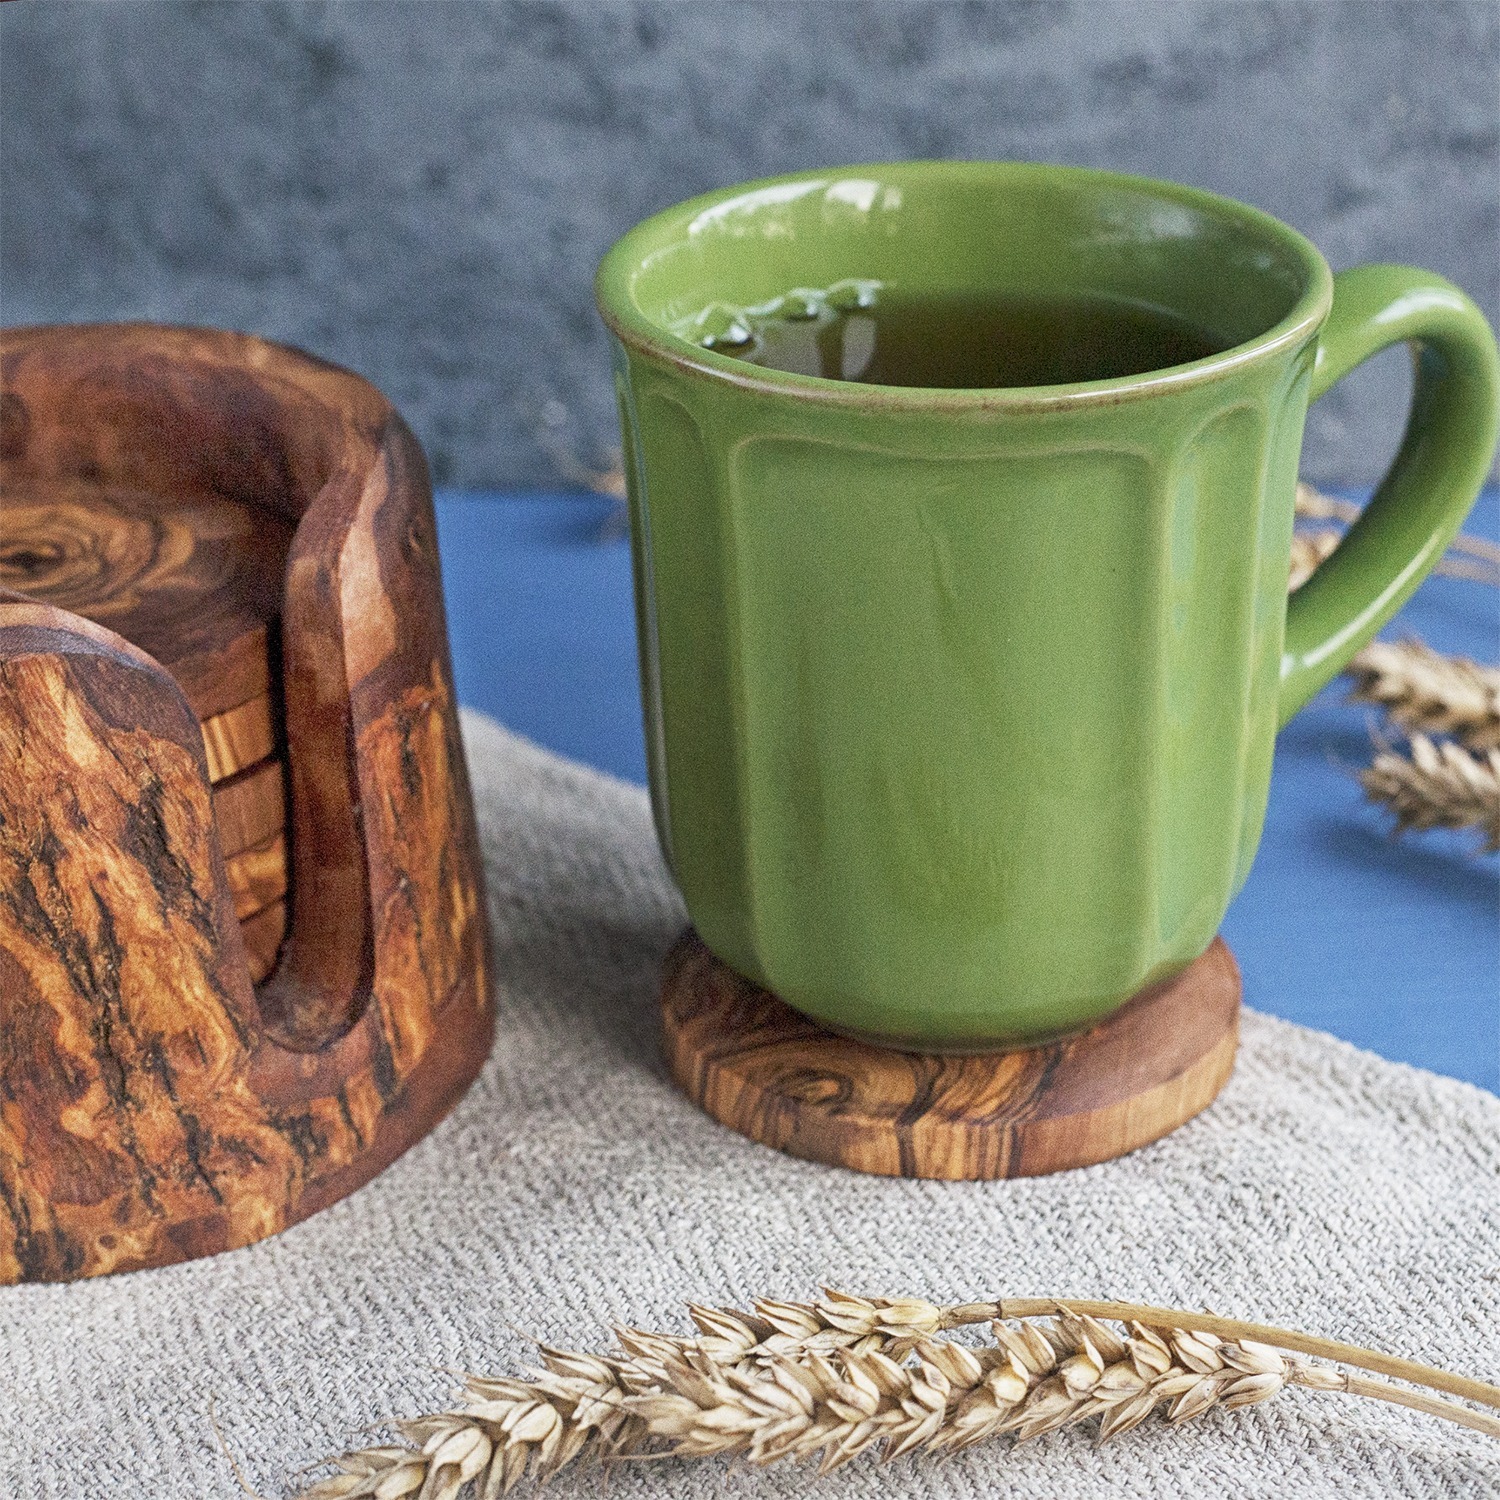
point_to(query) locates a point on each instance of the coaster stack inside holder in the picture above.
(243, 954)
(195, 583)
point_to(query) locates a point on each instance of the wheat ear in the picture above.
(1427, 693)
(827, 1381)
(1472, 557)
(1444, 783)
(1441, 785)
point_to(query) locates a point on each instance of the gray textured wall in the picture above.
(421, 190)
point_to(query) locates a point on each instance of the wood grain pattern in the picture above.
(194, 581)
(240, 737)
(156, 1103)
(197, 584)
(251, 806)
(257, 876)
(263, 933)
(756, 1065)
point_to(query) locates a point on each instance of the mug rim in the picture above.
(613, 291)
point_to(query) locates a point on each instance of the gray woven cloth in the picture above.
(573, 1188)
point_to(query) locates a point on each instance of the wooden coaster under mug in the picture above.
(756, 1065)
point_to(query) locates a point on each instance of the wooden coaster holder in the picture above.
(156, 1102)
(758, 1066)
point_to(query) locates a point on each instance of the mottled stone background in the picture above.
(421, 190)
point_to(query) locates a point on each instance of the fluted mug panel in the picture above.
(961, 703)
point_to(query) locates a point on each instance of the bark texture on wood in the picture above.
(756, 1065)
(156, 1104)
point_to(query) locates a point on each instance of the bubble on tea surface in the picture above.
(857, 347)
(723, 327)
(799, 305)
(852, 294)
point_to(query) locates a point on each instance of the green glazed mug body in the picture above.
(960, 704)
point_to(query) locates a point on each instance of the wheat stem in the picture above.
(1434, 1406)
(1314, 505)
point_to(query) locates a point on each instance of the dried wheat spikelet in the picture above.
(1441, 785)
(828, 1381)
(1452, 782)
(1425, 692)
(1473, 557)
(1309, 548)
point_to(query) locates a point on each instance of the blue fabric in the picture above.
(1394, 945)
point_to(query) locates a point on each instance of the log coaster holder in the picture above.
(243, 955)
(758, 1066)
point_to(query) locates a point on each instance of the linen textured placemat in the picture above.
(574, 1188)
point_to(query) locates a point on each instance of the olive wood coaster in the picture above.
(225, 693)
(758, 1066)
(195, 581)
(257, 876)
(197, 584)
(263, 934)
(240, 737)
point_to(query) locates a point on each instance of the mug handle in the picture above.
(1435, 479)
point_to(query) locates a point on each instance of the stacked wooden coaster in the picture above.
(197, 584)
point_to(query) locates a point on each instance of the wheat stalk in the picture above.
(1472, 557)
(1313, 505)
(1448, 783)
(1440, 785)
(1425, 692)
(825, 1382)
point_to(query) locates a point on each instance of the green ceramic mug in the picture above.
(960, 704)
